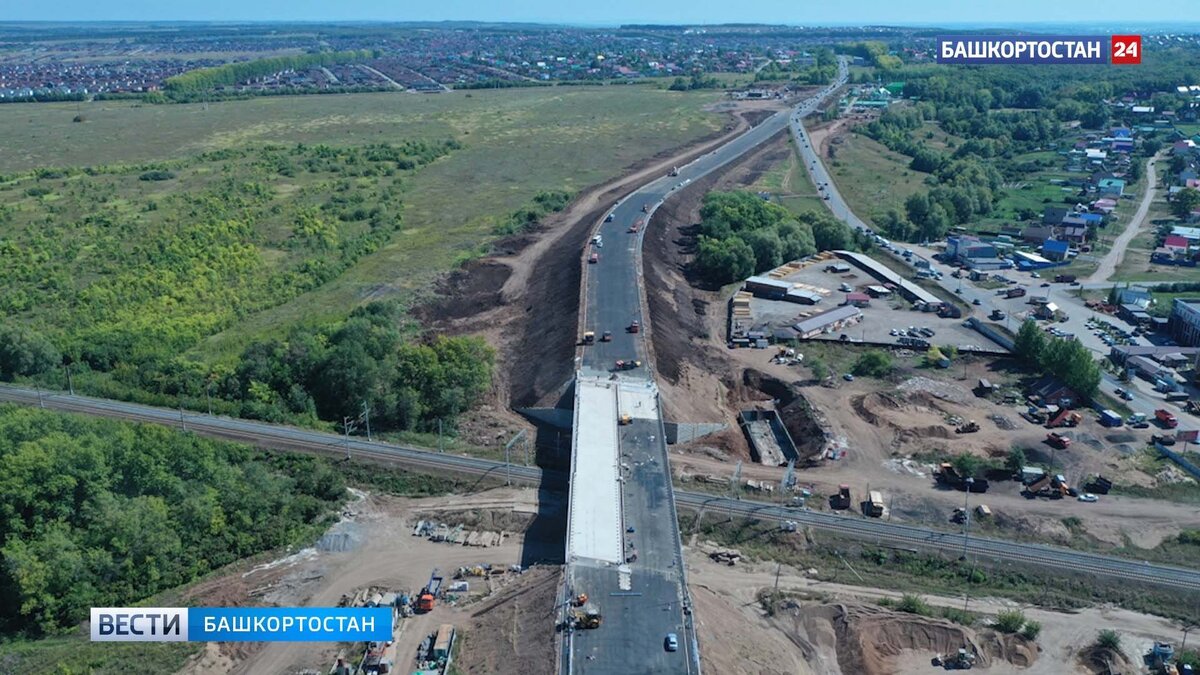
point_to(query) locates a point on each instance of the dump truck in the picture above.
(968, 427)
(949, 476)
(1165, 418)
(1017, 292)
(873, 506)
(842, 499)
(1058, 440)
(1065, 418)
(589, 337)
(427, 598)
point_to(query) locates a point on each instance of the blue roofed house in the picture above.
(1110, 187)
(1055, 249)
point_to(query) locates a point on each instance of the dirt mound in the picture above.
(1103, 661)
(866, 640)
(513, 632)
(509, 521)
(467, 292)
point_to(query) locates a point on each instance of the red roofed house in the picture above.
(1176, 243)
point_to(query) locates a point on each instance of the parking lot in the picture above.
(885, 320)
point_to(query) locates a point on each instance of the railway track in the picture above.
(1053, 558)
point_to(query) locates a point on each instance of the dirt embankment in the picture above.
(524, 297)
(865, 639)
(513, 632)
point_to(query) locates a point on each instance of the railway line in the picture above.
(1053, 558)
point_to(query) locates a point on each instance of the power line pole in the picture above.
(347, 426)
(367, 419)
(440, 435)
(70, 382)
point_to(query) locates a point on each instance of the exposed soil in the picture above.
(512, 633)
(524, 298)
(383, 553)
(832, 629)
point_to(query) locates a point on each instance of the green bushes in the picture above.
(523, 220)
(24, 352)
(873, 363)
(741, 234)
(104, 513)
(1010, 621)
(1109, 639)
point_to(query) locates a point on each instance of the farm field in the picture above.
(507, 147)
(872, 178)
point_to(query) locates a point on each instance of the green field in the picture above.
(515, 143)
(789, 186)
(872, 178)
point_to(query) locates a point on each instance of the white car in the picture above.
(1088, 497)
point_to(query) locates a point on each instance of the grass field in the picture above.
(872, 178)
(515, 143)
(790, 186)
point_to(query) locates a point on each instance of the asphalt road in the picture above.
(277, 436)
(654, 603)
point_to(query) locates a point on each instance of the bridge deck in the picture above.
(595, 509)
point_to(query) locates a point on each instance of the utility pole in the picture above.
(440, 435)
(208, 394)
(367, 419)
(347, 427)
(967, 516)
(70, 382)
(182, 424)
(777, 567)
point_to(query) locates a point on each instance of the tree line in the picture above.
(230, 74)
(1066, 359)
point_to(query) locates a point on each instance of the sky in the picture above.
(612, 12)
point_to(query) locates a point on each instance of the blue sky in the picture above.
(608, 12)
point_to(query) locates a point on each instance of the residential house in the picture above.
(1053, 215)
(1139, 297)
(1177, 245)
(1036, 234)
(1111, 187)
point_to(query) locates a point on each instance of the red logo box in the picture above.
(1126, 50)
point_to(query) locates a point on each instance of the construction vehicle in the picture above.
(589, 337)
(579, 600)
(997, 315)
(1065, 418)
(1017, 292)
(842, 499)
(873, 506)
(963, 660)
(1058, 440)
(949, 476)
(1165, 418)
(968, 428)
(628, 364)
(586, 615)
(427, 598)
(1099, 485)
(1054, 487)
(959, 517)
(606, 336)
(635, 327)
(624, 420)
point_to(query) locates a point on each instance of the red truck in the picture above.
(1165, 418)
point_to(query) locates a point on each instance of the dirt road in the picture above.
(1112, 259)
(738, 637)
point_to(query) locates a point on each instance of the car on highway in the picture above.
(975, 301)
(608, 218)
(1088, 497)
(671, 643)
(1123, 394)
(594, 258)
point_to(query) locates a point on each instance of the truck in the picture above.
(1064, 278)
(997, 315)
(950, 477)
(841, 500)
(1058, 440)
(427, 598)
(873, 507)
(589, 337)
(1110, 418)
(1017, 292)
(629, 364)
(1165, 418)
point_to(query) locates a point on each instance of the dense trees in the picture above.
(24, 352)
(102, 513)
(333, 371)
(1065, 359)
(741, 234)
(1184, 202)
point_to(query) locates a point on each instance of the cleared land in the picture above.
(516, 143)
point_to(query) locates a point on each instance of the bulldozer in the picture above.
(963, 660)
(968, 428)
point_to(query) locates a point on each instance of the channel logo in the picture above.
(241, 624)
(1040, 49)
